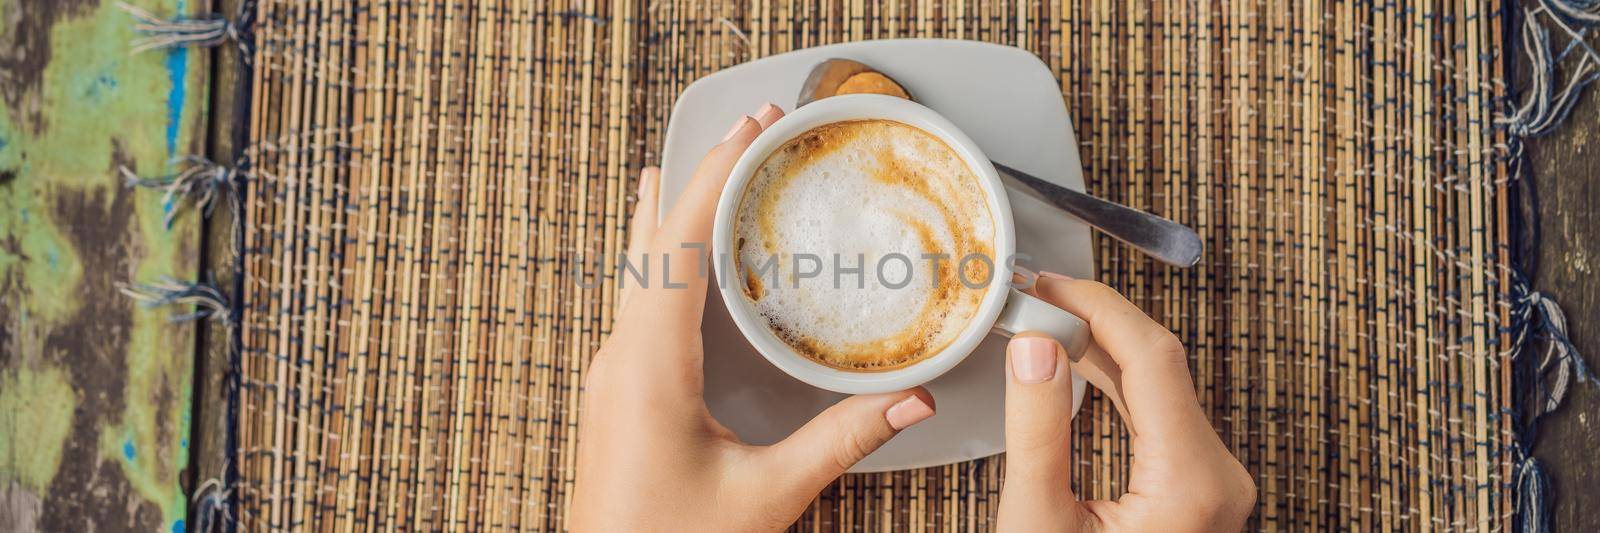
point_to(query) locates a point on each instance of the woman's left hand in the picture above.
(650, 456)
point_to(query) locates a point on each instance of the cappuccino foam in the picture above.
(855, 195)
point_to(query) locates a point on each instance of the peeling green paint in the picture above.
(32, 400)
(84, 116)
(94, 391)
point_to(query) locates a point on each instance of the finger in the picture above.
(842, 436)
(691, 220)
(1099, 369)
(669, 308)
(642, 228)
(1038, 414)
(1163, 402)
(1096, 366)
(681, 244)
(1037, 492)
(768, 114)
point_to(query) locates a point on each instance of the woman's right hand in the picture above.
(1182, 479)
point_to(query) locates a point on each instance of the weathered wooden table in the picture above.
(95, 392)
(1566, 182)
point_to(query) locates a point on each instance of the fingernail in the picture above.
(1033, 359)
(906, 413)
(1022, 278)
(737, 125)
(766, 112)
(1053, 275)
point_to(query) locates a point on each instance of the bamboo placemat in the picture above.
(429, 175)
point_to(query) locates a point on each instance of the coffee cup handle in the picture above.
(1025, 312)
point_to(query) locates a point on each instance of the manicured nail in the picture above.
(906, 413)
(737, 125)
(1033, 359)
(1022, 278)
(767, 113)
(1053, 275)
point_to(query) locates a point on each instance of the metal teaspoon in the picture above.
(1167, 241)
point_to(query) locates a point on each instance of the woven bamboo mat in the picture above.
(428, 174)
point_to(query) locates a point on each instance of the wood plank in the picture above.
(94, 390)
(1565, 179)
(229, 88)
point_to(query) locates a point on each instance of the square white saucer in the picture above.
(1007, 101)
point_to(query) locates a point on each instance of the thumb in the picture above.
(1038, 480)
(842, 436)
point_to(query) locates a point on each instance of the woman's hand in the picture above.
(650, 456)
(1183, 478)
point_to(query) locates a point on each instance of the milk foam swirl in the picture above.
(854, 194)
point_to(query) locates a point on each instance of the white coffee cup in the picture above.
(1004, 310)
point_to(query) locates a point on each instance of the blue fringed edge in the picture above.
(1545, 364)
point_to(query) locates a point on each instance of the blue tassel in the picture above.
(1544, 107)
(209, 302)
(200, 178)
(1532, 493)
(212, 510)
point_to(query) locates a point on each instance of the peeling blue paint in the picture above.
(95, 89)
(128, 450)
(177, 72)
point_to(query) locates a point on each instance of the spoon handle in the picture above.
(1167, 241)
